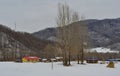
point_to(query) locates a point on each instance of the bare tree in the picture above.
(65, 33)
(83, 39)
(49, 51)
(75, 17)
(63, 19)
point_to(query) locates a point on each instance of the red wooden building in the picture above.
(30, 59)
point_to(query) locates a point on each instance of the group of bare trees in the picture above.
(72, 37)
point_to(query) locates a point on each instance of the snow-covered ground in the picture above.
(45, 69)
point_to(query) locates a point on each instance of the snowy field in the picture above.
(45, 69)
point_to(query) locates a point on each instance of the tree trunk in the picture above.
(82, 56)
(78, 59)
(65, 62)
(69, 58)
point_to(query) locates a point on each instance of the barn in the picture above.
(30, 59)
(92, 60)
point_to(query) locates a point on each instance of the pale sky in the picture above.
(34, 15)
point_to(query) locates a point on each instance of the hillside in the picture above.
(102, 33)
(19, 43)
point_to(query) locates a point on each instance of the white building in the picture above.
(103, 50)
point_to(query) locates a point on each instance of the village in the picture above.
(99, 61)
(91, 59)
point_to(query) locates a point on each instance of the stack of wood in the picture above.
(111, 64)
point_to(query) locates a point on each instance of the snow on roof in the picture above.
(58, 57)
(44, 59)
(53, 59)
(103, 50)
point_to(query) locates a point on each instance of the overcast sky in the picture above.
(34, 15)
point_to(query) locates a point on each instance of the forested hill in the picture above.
(103, 33)
(11, 40)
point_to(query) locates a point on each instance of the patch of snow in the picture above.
(45, 69)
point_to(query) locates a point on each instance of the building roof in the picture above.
(31, 57)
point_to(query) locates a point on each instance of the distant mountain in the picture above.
(45, 34)
(102, 33)
(12, 41)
